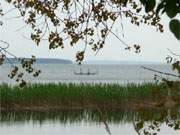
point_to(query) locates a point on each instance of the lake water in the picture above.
(122, 74)
(80, 123)
(83, 128)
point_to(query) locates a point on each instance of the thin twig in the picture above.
(160, 72)
(173, 52)
(4, 48)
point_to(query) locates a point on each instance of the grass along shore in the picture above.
(82, 96)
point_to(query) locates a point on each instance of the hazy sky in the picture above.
(153, 44)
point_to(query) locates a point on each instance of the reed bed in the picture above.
(77, 95)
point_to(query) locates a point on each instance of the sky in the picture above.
(153, 44)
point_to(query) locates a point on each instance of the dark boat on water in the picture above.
(85, 73)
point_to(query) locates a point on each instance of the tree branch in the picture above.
(153, 70)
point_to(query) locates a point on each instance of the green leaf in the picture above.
(143, 2)
(174, 26)
(171, 10)
(160, 7)
(125, 2)
(150, 4)
(171, 7)
(177, 126)
(140, 125)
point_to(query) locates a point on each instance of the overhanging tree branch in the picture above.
(160, 72)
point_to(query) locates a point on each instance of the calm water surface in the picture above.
(56, 128)
(76, 123)
(105, 73)
(80, 123)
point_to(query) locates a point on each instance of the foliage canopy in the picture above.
(87, 21)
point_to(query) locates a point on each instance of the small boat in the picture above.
(85, 73)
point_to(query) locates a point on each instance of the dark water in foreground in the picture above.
(90, 122)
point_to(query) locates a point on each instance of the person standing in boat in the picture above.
(88, 73)
(80, 71)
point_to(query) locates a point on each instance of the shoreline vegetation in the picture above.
(49, 97)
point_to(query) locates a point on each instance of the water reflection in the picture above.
(142, 122)
(153, 126)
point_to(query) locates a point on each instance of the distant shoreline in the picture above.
(41, 61)
(90, 62)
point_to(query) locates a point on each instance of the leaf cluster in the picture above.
(17, 73)
(86, 21)
(147, 127)
(170, 7)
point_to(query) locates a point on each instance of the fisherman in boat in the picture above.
(80, 72)
(88, 73)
